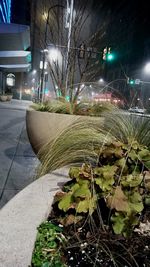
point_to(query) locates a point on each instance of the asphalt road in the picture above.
(17, 159)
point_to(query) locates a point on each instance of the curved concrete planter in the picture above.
(21, 216)
(43, 127)
(5, 98)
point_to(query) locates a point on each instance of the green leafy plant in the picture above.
(120, 179)
(47, 247)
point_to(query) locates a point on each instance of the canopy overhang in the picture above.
(16, 68)
(14, 42)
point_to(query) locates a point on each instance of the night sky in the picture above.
(20, 12)
(129, 11)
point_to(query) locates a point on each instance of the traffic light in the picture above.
(107, 54)
(110, 57)
(130, 81)
(104, 53)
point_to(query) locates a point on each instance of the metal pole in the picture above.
(42, 78)
(69, 42)
(44, 52)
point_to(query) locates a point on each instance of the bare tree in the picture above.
(82, 63)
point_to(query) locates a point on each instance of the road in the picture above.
(17, 159)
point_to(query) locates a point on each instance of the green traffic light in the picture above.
(131, 82)
(67, 98)
(110, 57)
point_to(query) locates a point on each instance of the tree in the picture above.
(68, 70)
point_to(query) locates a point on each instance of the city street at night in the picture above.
(74, 133)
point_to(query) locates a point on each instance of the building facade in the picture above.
(5, 11)
(15, 55)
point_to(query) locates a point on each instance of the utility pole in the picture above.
(70, 8)
(45, 51)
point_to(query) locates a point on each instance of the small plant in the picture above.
(47, 247)
(64, 107)
(121, 180)
(107, 200)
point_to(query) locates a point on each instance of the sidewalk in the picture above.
(16, 104)
(17, 159)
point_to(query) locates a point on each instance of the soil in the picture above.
(89, 246)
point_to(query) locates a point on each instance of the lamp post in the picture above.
(42, 74)
(45, 51)
(69, 40)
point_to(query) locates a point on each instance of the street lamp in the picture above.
(69, 26)
(101, 80)
(147, 68)
(45, 51)
(34, 72)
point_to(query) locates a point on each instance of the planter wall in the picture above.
(44, 126)
(21, 216)
(9, 97)
(4, 98)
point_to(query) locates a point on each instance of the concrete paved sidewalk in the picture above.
(17, 160)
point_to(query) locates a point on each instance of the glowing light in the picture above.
(82, 85)
(34, 71)
(147, 68)
(45, 65)
(10, 80)
(27, 91)
(53, 54)
(44, 16)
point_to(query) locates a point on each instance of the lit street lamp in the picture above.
(147, 68)
(101, 80)
(45, 51)
(34, 72)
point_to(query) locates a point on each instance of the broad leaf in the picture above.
(118, 223)
(133, 155)
(83, 206)
(136, 207)
(131, 180)
(70, 219)
(74, 172)
(121, 162)
(118, 201)
(135, 202)
(109, 171)
(82, 191)
(65, 202)
(105, 184)
(87, 205)
(144, 153)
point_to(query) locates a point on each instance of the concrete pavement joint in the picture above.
(1, 195)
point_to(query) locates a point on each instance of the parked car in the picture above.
(137, 110)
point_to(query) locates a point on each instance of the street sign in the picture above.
(137, 81)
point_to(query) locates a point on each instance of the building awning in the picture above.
(15, 57)
(14, 37)
(14, 42)
(16, 68)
